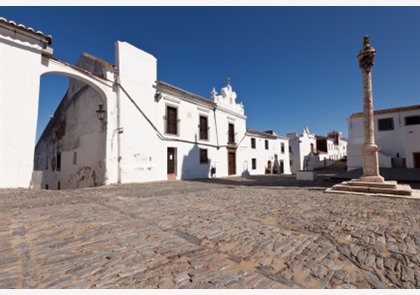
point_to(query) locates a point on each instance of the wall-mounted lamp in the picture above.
(158, 96)
(101, 113)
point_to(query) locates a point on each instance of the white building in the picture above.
(117, 122)
(331, 148)
(302, 149)
(267, 153)
(308, 151)
(163, 132)
(397, 133)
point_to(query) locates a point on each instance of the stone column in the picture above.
(369, 148)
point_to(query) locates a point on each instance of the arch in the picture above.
(18, 116)
(53, 66)
(71, 144)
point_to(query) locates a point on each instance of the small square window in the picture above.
(254, 164)
(266, 144)
(385, 124)
(282, 148)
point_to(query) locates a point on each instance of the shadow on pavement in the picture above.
(269, 181)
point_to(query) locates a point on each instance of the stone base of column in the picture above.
(370, 163)
(374, 188)
(373, 178)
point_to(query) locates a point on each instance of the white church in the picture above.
(118, 123)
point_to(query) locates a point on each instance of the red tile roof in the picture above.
(105, 63)
(388, 111)
(26, 31)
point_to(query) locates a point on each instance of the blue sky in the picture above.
(290, 66)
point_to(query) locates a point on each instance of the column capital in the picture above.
(366, 56)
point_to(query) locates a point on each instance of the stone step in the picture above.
(386, 184)
(398, 190)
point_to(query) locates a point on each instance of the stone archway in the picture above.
(25, 57)
(71, 152)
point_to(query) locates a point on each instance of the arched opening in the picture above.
(71, 144)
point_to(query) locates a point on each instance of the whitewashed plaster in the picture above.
(397, 145)
(301, 150)
(23, 59)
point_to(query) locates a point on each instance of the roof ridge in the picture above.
(389, 110)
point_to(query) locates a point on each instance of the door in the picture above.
(171, 161)
(231, 163)
(416, 160)
(281, 166)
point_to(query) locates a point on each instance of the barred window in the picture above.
(385, 124)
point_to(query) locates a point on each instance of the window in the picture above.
(282, 148)
(58, 185)
(385, 124)
(254, 163)
(171, 120)
(231, 135)
(412, 120)
(58, 161)
(204, 128)
(253, 143)
(266, 144)
(203, 156)
(74, 158)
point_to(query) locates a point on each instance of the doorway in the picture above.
(171, 163)
(416, 158)
(231, 162)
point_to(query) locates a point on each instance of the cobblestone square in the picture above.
(241, 232)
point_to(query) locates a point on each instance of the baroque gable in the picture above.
(227, 99)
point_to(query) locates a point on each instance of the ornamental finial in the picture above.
(366, 55)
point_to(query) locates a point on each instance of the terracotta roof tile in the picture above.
(22, 28)
(388, 111)
(105, 63)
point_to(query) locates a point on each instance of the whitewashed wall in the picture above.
(395, 144)
(20, 59)
(263, 155)
(301, 148)
(144, 142)
(77, 133)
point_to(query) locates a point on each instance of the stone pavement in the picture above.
(253, 232)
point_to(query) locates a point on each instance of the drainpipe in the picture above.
(119, 130)
(215, 124)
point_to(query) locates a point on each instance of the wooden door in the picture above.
(231, 163)
(416, 160)
(171, 160)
